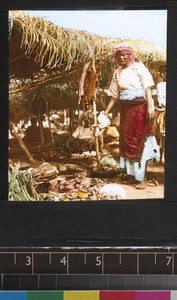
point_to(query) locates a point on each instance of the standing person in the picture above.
(161, 97)
(161, 87)
(131, 84)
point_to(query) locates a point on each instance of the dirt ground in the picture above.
(152, 191)
(149, 193)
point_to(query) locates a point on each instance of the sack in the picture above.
(112, 132)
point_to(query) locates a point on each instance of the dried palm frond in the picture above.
(43, 55)
(51, 46)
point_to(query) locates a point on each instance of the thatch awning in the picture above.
(36, 43)
(42, 54)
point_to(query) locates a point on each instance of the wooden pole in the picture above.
(65, 115)
(48, 118)
(42, 141)
(21, 143)
(71, 120)
(95, 118)
(40, 124)
(95, 126)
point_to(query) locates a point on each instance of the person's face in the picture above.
(123, 58)
(163, 74)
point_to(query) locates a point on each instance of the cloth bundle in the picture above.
(103, 120)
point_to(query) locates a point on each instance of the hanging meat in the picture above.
(91, 81)
(82, 81)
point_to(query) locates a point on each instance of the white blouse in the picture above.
(136, 76)
(161, 93)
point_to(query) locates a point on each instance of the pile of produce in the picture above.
(21, 186)
(45, 172)
(106, 164)
(80, 188)
(112, 192)
(84, 154)
(44, 183)
(87, 189)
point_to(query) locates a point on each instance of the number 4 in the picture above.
(63, 260)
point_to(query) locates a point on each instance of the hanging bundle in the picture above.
(90, 85)
(82, 81)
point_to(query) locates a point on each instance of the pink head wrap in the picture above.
(125, 49)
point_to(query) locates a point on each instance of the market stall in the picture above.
(51, 69)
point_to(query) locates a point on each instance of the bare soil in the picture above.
(152, 191)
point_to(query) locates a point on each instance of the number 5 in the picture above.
(98, 260)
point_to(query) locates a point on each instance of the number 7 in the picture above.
(169, 258)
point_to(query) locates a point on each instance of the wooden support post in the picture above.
(48, 118)
(96, 129)
(70, 120)
(41, 129)
(65, 116)
(102, 141)
(42, 141)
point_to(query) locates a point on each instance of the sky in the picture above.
(148, 25)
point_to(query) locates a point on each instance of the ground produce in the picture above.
(21, 186)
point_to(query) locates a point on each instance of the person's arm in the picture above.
(76, 133)
(113, 91)
(110, 105)
(147, 82)
(161, 94)
(150, 109)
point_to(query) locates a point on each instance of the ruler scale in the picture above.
(88, 268)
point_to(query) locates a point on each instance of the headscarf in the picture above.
(125, 49)
(162, 68)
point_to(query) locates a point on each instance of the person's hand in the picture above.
(105, 113)
(151, 113)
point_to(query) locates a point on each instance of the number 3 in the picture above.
(28, 258)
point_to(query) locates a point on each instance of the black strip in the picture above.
(171, 124)
(4, 104)
(84, 4)
(11, 282)
(108, 282)
(90, 224)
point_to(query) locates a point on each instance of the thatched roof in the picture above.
(36, 43)
(42, 54)
(41, 100)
